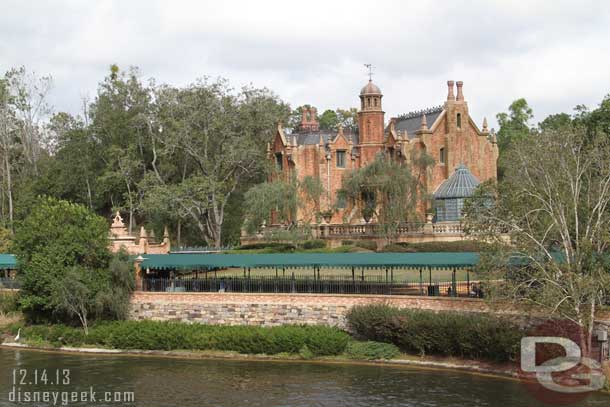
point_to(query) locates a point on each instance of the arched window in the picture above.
(459, 120)
(308, 116)
(368, 102)
(375, 101)
(442, 156)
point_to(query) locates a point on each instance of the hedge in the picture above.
(155, 335)
(468, 335)
(457, 246)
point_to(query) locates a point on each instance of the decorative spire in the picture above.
(340, 132)
(485, 129)
(117, 222)
(142, 232)
(424, 122)
(165, 232)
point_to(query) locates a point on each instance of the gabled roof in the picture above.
(461, 184)
(411, 122)
(312, 138)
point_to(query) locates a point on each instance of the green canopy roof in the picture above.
(213, 261)
(7, 261)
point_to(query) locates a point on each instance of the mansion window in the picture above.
(279, 162)
(442, 156)
(459, 120)
(340, 159)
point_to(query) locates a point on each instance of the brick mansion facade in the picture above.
(446, 133)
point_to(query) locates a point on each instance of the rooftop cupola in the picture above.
(370, 97)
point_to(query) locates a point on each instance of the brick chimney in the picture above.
(309, 122)
(460, 95)
(450, 95)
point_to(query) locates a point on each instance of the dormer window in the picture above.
(459, 120)
(340, 158)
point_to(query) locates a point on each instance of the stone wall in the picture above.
(276, 309)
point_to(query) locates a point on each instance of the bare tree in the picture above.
(553, 205)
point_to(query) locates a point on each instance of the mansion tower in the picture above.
(446, 133)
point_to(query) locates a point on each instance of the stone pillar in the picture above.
(137, 264)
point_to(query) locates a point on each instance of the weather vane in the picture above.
(370, 67)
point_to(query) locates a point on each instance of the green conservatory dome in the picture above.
(450, 195)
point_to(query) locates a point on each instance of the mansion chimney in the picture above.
(450, 95)
(309, 121)
(460, 95)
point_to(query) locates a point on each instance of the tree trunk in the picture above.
(89, 193)
(9, 189)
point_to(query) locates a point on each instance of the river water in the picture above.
(174, 382)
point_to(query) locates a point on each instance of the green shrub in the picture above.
(398, 248)
(457, 246)
(154, 335)
(275, 247)
(8, 301)
(313, 244)
(470, 335)
(371, 350)
(366, 244)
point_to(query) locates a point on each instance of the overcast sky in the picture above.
(553, 53)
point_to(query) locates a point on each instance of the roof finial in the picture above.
(424, 122)
(485, 129)
(370, 68)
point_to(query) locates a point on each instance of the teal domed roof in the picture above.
(461, 184)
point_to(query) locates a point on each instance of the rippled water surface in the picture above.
(173, 382)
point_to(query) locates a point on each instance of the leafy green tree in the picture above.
(556, 122)
(348, 118)
(387, 190)
(121, 123)
(220, 137)
(514, 125)
(63, 247)
(552, 204)
(329, 120)
(282, 198)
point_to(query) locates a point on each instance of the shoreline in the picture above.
(466, 366)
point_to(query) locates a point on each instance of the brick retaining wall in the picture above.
(277, 309)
